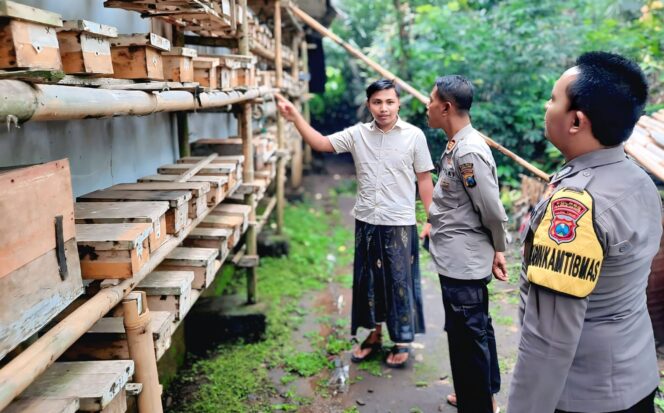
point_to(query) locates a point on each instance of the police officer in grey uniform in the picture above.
(587, 343)
(467, 240)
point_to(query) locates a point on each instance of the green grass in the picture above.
(306, 364)
(225, 381)
(373, 366)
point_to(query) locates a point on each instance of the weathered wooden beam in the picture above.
(230, 43)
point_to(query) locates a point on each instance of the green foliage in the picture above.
(512, 50)
(306, 364)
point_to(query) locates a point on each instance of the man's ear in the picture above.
(580, 122)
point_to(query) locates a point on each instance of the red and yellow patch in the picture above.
(450, 145)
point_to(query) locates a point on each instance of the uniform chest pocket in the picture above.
(448, 189)
(620, 249)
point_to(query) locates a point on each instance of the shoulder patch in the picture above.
(468, 174)
(566, 255)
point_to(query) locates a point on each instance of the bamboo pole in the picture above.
(405, 86)
(281, 165)
(306, 110)
(247, 134)
(296, 162)
(141, 349)
(27, 102)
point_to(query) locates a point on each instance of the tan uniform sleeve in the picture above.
(482, 186)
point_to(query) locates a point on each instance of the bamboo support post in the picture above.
(306, 110)
(296, 162)
(281, 169)
(246, 133)
(141, 350)
(405, 86)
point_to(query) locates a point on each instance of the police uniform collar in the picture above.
(590, 160)
(458, 137)
(400, 124)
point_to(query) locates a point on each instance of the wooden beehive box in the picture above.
(107, 339)
(238, 210)
(231, 223)
(168, 291)
(206, 72)
(199, 191)
(40, 274)
(179, 64)
(98, 385)
(199, 260)
(218, 185)
(113, 250)
(176, 216)
(242, 70)
(138, 56)
(212, 169)
(85, 47)
(153, 213)
(216, 238)
(236, 160)
(27, 37)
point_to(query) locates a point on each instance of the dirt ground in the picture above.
(423, 385)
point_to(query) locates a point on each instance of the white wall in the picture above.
(103, 152)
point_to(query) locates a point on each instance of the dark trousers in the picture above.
(647, 405)
(472, 343)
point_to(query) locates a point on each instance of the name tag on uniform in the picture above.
(566, 255)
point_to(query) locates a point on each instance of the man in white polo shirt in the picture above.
(390, 156)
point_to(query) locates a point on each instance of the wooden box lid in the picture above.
(181, 51)
(119, 237)
(32, 14)
(87, 26)
(142, 39)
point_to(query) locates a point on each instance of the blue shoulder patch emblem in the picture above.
(468, 174)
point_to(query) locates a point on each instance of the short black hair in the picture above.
(612, 92)
(382, 84)
(457, 90)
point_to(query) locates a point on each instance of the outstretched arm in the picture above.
(310, 135)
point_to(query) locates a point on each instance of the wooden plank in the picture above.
(218, 184)
(231, 223)
(142, 39)
(212, 169)
(39, 405)
(32, 14)
(113, 250)
(94, 383)
(175, 198)
(168, 291)
(198, 189)
(35, 293)
(238, 210)
(199, 260)
(126, 212)
(115, 212)
(106, 340)
(87, 26)
(181, 51)
(118, 404)
(121, 236)
(31, 199)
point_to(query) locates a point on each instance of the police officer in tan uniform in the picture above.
(467, 244)
(587, 343)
